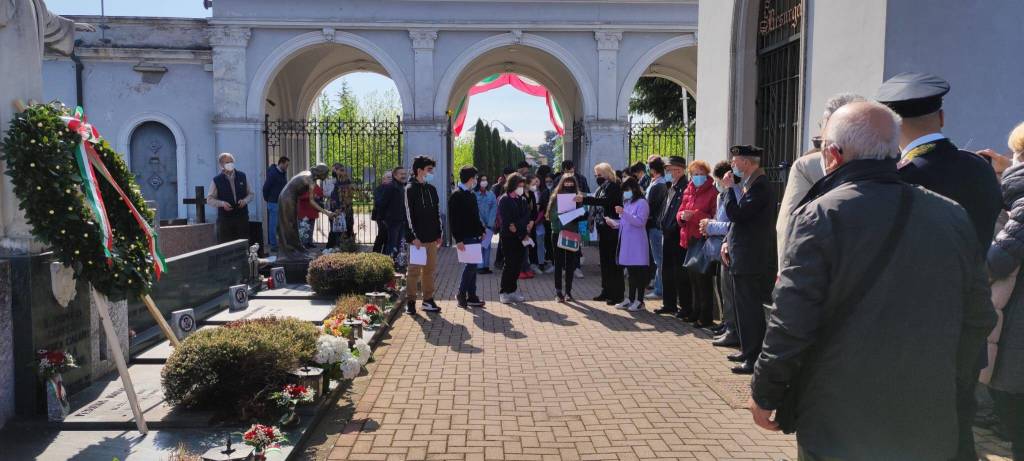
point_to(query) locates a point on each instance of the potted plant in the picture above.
(288, 398)
(52, 364)
(263, 439)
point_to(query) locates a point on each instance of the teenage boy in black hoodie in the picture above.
(464, 221)
(423, 216)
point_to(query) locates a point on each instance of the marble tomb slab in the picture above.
(158, 354)
(290, 291)
(313, 310)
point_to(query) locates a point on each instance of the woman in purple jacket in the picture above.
(633, 252)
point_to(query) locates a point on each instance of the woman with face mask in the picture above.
(530, 258)
(514, 216)
(699, 202)
(714, 229)
(488, 205)
(633, 249)
(603, 203)
(565, 261)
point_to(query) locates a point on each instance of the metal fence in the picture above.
(650, 138)
(367, 149)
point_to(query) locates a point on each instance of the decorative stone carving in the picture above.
(517, 36)
(608, 40)
(423, 39)
(329, 33)
(230, 36)
(62, 282)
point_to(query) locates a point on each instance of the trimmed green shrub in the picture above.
(358, 273)
(223, 369)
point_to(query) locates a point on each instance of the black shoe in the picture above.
(737, 357)
(410, 307)
(612, 302)
(569, 298)
(560, 297)
(718, 329)
(459, 298)
(745, 368)
(474, 301)
(430, 306)
(729, 340)
(601, 297)
(683, 314)
(666, 310)
(484, 271)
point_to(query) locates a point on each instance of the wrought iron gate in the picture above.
(778, 86)
(578, 138)
(650, 138)
(367, 149)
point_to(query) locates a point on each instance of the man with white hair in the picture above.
(230, 193)
(806, 171)
(882, 303)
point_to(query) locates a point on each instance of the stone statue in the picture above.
(289, 246)
(27, 29)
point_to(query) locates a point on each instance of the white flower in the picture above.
(364, 351)
(330, 349)
(350, 368)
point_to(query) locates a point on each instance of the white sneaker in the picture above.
(579, 273)
(535, 269)
(624, 304)
(634, 306)
(506, 298)
(652, 295)
(518, 297)
(549, 269)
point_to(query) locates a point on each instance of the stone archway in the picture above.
(674, 59)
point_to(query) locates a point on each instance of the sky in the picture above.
(526, 115)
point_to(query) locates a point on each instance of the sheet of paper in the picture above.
(528, 242)
(417, 256)
(566, 218)
(566, 202)
(472, 255)
(488, 237)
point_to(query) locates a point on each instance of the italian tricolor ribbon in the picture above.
(520, 83)
(89, 163)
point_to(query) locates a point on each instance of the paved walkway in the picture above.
(544, 380)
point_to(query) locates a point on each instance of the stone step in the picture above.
(313, 310)
(291, 291)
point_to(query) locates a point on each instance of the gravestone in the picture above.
(312, 310)
(183, 322)
(6, 345)
(238, 296)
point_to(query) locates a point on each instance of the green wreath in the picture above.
(39, 150)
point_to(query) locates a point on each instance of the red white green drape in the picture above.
(520, 83)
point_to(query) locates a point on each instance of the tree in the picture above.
(552, 148)
(482, 157)
(661, 99)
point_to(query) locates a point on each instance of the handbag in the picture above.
(696, 259)
(785, 414)
(569, 241)
(713, 248)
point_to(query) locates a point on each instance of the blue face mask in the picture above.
(699, 180)
(736, 172)
(430, 177)
(627, 195)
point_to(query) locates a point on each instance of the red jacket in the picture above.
(700, 200)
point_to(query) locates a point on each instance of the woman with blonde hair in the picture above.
(605, 199)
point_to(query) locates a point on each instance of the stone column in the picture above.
(232, 131)
(427, 137)
(607, 73)
(606, 136)
(608, 140)
(423, 76)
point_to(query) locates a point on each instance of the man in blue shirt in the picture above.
(277, 177)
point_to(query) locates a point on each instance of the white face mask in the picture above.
(483, 184)
(824, 168)
(230, 166)
(519, 190)
(533, 188)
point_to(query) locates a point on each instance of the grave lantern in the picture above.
(311, 377)
(228, 452)
(378, 298)
(355, 330)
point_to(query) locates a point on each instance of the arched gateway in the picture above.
(255, 65)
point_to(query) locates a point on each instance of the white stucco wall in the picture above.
(714, 70)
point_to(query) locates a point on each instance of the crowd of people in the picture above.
(867, 302)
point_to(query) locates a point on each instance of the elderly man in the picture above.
(864, 347)
(230, 194)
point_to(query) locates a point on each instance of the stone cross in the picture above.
(200, 202)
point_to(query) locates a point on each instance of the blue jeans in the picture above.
(655, 237)
(396, 238)
(486, 261)
(468, 283)
(541, 250)
(272, 224)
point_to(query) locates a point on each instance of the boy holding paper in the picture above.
(467, 231)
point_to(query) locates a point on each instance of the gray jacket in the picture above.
(1004, 256)
(879, 384)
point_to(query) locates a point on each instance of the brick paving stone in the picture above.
(543, 380)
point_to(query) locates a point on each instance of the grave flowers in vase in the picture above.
(263, 439)
(52, 364)
(372, 316)
(290, 396)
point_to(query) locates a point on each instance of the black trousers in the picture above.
(966, 408)
(233, 226)
(612, 282)
(565, 263)
(725, 296)
(637, 281)
(675, 286)
(549, 242)
(702, 287)
(514, 254)
(1010, 408)
(380, 243)
(750, 293)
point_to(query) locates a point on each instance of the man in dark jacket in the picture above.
(464, 221)
(277, 177)
(864, 345)
(380, 242)
(230, 192)
(676, 285)
(749, 249)
(392, 212)
(656, 193)
(931, 160)
(423, 217)
(568, 167)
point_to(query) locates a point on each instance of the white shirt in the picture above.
(922, 140)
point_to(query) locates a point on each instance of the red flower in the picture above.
(55, 357)
(372, 309)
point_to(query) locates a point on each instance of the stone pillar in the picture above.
(608, 140)
(607, 73)
(423, 59)
(232, 131)
(427, 137)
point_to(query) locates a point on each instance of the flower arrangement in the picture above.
(335, 326)
(53, 363)
(351, 367)
(362, 351)
(293, 394)
(264, 438)
(372, 315)
(335, 356)
(330, 349)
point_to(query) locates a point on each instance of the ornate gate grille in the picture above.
(577, 145)
(651, 138)
(367, 149)
(778, 86)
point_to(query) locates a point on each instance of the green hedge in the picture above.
(225, 368)
(342, 273)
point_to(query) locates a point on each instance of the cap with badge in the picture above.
(746, 150)
(913, 94)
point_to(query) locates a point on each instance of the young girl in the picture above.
(566, 261)
(633, 252)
